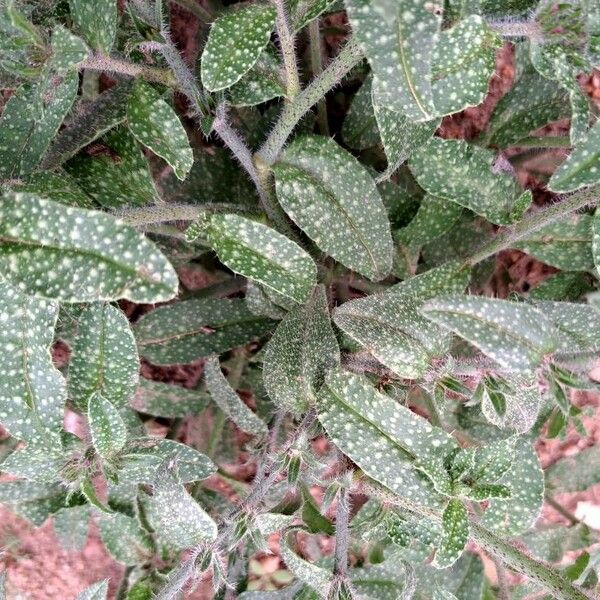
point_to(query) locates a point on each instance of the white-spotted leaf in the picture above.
(97, 21)
(123, 537)
(96, 591)
(455, 532)
(67, 50)
(107, 428)
(166, 400)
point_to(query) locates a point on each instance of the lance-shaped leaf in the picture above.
(104, 358)
(517, 336)
(331, 197)
(32, 390)
(551, 544)
(228, 401)
(156, 125)
(578, 324)
(532, 102)
(526, 481)
(67, 50)
(261, 83)
(96, 591)
(259, 303)
(455, 532)
(566, 244)
(76, 255)
(399, 40)
(141, 457)
(166, 400)
(393, 579)
(30, 120)
(71, 526)
(54, 186)
(41, 460)
(93, 119)
(575, 473)
(463, 173)
(33, 501)
(302, 349)
(596, 240)
(390, 327)
(235, 43)
(123, 537)
(97, 21)
(465, 579)
(107, 428)
(399, 135)
(359, 129)
(260, 253)
(562, 286)
(123, 177)
(177, 518)
(186, 331)
(582, 167)
(464, 59)
(379, 435)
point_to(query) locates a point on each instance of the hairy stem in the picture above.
(342, 535)
(147, 215)
(533, 222)
(288, 52)
(316, 64)
(292, 112)
(102, 62)
(511, 28)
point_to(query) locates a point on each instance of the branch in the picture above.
(288, 52)
(533, 222)
(292, 112)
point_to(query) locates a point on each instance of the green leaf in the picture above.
(122, 177)
(562, 286)
(359, 129)
(455, 532)
(104, 357)
(550, 544)
(262, 254)
(516, 336)
(76, 255)
(156, 125)
(30, 121)
(258, 303)
(465, 578)
(178, 519)
(301, 351)
(261, 83)
(379, 435)
(575, 473)
(41, 460)
(59, 187)
(525, 478)
(389, 325)
(392, 579)
(464, 59)
(302, 12)
(331, 197)
(67, 50)
(399, 42)
(399, 135)
(97, 21)
(566, 244)
(125, 540)
(96, 591)
(188, 330)
(32, 390)
(166, 400)
(141, 457)
(463, 173)
(71, 526)
(530, 104)
(228, 401)
(88, 490)
(33, 501)
(92, 120)
(107, 428)
(582, 167)
(235, 43)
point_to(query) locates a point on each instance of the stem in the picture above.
(560, 509)
(196, 9)
(316, 65)
(549, 141)
(148, 215)
(342, 537)
(122, 591)
(288, 52)
(533, 222)
(510, 28)
(292, 112)
(102, 62)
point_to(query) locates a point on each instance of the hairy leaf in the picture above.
(59, 187)
(302, 349)
(123, 537)
(156, 125)
(67, 50)
(228, 400)
(33, 501)
(359, 129)
(104, 357)
(71, 526)
(455, 532)
(260, 253)
(574, 473)
(96, 591)
(235, 42)
(75, 255)
(166, 400)
(517, 336)
(188, 330)
(107, 428)
(331, 197)
(97, 22)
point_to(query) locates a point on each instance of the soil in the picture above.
(38, 569)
